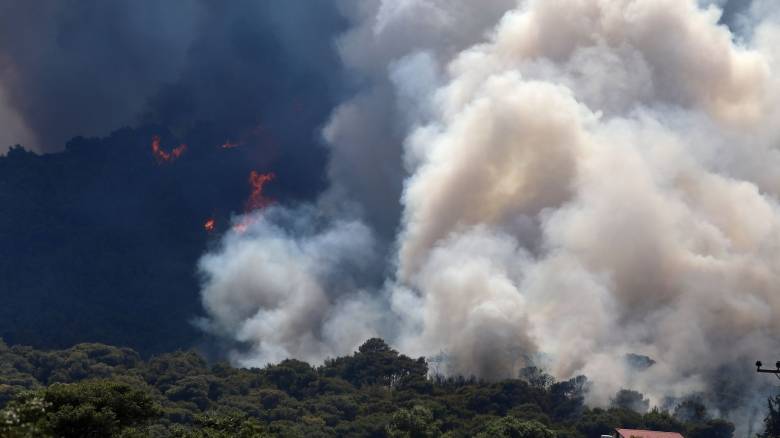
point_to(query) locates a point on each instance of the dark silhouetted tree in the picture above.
(631, 400)
(772, 419)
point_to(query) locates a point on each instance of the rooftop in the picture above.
(632, 433)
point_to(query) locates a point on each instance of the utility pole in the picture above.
(775, 371)
(759, 369)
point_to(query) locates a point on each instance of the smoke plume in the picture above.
(571, 181)
(280, 285)
(91, 67)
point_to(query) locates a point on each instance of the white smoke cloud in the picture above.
(289, 287)
(366, 133)
(581, 179)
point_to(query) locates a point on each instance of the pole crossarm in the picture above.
(775, 371)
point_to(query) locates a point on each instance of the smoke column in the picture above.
(559, 182)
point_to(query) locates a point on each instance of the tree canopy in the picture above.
(94, 390)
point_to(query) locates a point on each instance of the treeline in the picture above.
(95, 390)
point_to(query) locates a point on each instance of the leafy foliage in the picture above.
(772, 420)
(86, 409)
(417, 422)
(511, 427)
(99, 390)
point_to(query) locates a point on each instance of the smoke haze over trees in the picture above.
(374, 392)
(589, 186)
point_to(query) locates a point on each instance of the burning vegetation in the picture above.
(257, 200)
(210, 225)
(162, 156)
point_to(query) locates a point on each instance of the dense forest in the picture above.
(95, 390)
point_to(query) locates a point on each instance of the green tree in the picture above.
(87, 409)
(417, 422)
(375, 392)
(511, 427)
(295, 377)
(24, 418)
(222, 426)
(97, 408)
(165, 370)
(376, 363)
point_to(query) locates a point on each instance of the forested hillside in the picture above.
(99, 243)
(100, 390)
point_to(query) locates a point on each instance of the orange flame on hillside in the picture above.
(210, 225)
(257, 199)
(162, 156)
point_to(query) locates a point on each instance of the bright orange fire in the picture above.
(210, 225)
(257, 200)
(257, 181)
(162, 156)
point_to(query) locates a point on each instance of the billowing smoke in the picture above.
(366, 133)
(571, 182)
(298, 293)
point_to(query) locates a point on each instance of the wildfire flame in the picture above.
(257, 199)
(162, 156)
(210, 225)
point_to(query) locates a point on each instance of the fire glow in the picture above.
(210, 225)
(257, 199)
(162, 156)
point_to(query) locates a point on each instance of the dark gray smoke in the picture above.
(87, 68)
(734, 11)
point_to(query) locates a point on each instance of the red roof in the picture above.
(631, 433)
